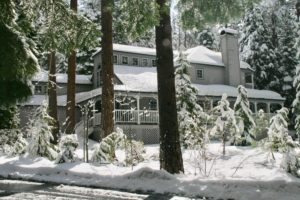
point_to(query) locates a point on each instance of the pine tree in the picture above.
(296, 102)
(261, 129)
(191, 118)
(257, 49)
(106, 149)
(207, 39)
(225, 125)
(18, 63)
(40, 132)
(67, 147)
(170, 151)
(268, 45)
(71, 85)
(278, 138)
(288, 53)
(107, 70)
(243, 112)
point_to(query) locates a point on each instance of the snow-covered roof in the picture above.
(144, 79)
(228, 30)
(42, 76)
(137, 78)
(218, 90)
(36, 100)
(203, 55)
(131, 49)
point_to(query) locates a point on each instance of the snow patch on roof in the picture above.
(42, 76)
(203, 55)
(36, 100)
(218, 90)
(131, 49)
(137, 78)
(229, 30)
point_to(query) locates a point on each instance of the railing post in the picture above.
(138, 110)
(255, 106)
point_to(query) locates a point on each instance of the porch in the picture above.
(131, 116)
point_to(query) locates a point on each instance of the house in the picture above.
(136, 107)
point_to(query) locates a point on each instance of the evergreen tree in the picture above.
(207, 39)
(268, 45)
(243, 112)
(170, 151)
(107, 69)
(278, 138)
(18, 63)
(257, 49)
(191, 118)
(40, 133)
(67, 147)
(288, 54)
(296, 102)
(71, 85)
(261, 129)
(225, 125)
(106, 149)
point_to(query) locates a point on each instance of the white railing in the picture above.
(149, 116)
(131, 116)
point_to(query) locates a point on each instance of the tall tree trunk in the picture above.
(52, 96)
(70, 113)
(170, 151)
(107, 112)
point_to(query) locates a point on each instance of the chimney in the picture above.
(230, 56)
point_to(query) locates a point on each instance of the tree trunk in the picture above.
(107, 75)
(70, 113)
(170, 151)
(52, 96)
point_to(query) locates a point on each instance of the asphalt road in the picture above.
(15, 189)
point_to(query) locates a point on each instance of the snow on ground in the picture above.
(243, 173)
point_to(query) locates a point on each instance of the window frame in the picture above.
(36, 91)
(143, 63)
(154, 62)
(137, 61)
(250, 76)
(202, 72)
(125, 63)
(115, 59)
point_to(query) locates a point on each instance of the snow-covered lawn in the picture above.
(243, 173)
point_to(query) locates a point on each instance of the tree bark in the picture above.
(170, 151)
(52, 101)
(70, 113)
(107, 75)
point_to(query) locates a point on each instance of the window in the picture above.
(98, 106)
(125, 60)
(248, 78)
(135, 61)
(145, 62)
(200, 73)
(115, 59)
(153, 63)
(99, 66)
(153, 104)
(37, 89)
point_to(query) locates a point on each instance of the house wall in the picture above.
(26, 113)
(140, 57)
(61, 88)
(211, 74)
(243, 78)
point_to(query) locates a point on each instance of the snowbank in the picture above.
(243, 173)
